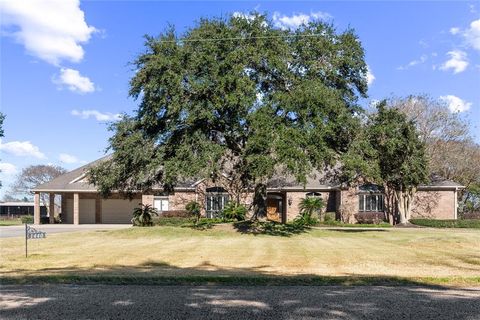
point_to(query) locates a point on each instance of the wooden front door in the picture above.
(274, 210)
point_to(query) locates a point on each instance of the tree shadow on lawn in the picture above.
(206, 291)
(269, 228)
(352, 230)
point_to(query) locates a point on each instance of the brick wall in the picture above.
(434, 204)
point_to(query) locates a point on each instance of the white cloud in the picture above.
(454, 30)
(22, 149)
(370, 76)
(67, 158)
(458, 61)
(52, 30)
(472, 35)
(455, 104)
(99, 116)
(8, 169)
(74, 81)
(246, 16)
(413, 63)
(294, 21)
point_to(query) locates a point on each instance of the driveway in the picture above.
(19, 231)
(237, 302)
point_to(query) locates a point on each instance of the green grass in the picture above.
(10, 222)
(475, 224)
(273, 254)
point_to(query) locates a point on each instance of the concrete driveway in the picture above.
(19, 231)
(237, 302)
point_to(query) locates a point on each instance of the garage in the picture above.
(118, 210)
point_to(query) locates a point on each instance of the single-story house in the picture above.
(82, 204)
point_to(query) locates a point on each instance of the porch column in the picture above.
(76, 208)
(51, 208)
(36, 208)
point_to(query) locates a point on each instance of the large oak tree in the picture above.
(240, 98)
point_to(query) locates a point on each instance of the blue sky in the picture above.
(65, 73)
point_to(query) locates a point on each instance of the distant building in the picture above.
(12, 209)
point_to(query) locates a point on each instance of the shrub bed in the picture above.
(465, 223)
(471, 215)
(336, 223)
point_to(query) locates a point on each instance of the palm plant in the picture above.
(142, 216)
(310, 206)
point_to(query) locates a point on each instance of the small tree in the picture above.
(32, 176)
(402, 162)
(142, 216)
(194, 209)
(310, 206)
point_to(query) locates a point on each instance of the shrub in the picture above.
(193, 208)
(329, 216)
(234, 211)
(310, 206)
(471, 215)
(305, 221)
(27, 219)
(142, 216)
(171, 221)
(175, 214)
(370, 217)
(433, 223)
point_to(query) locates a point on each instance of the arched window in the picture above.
(215, 200)
(313, 195)
(370, 198)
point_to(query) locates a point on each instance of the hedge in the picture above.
(433, 223)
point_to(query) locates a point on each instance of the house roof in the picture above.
(75, 181)
(16, 204)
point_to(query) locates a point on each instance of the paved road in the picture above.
(234, 302)
(19, 231)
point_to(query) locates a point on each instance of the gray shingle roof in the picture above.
(75, 181)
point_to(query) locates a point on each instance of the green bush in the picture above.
(172, 221)
(433, 223)
(26, 219)
(309, 208)
(234, 211)
(194, 209)
(329, 216)
(305, 220)
(142, 216)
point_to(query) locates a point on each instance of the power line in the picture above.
(243, 38)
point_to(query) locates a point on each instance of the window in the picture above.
(313, 195)
(370, 198)
(160, 203)
(215, 201)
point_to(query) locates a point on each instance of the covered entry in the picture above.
(276, 207)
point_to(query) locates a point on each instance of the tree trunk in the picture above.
(404, 204)
(259, 201)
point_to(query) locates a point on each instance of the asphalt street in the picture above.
(237, 302)
(19, 231)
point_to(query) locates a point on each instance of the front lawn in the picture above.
(226, 252)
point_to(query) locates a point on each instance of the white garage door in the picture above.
(87, 211)
(67, 212)
(118, 210)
